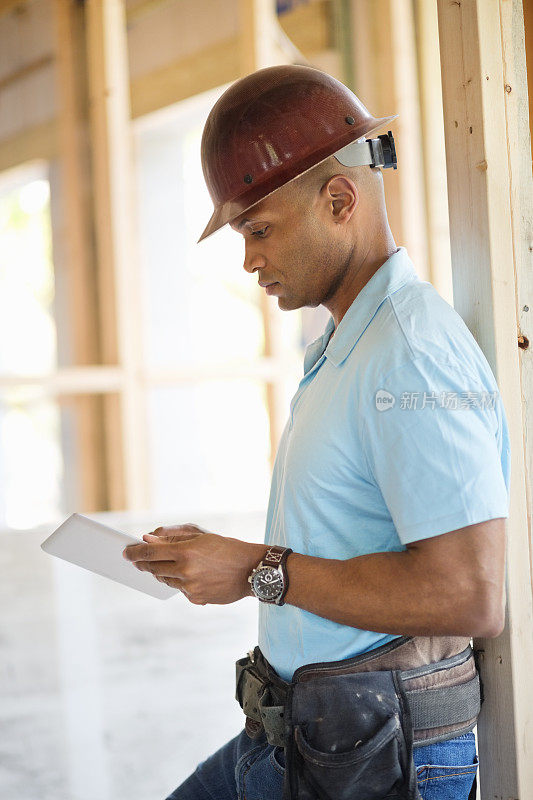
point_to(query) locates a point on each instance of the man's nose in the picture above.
(253, 260)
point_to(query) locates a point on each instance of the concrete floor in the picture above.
(105, 692)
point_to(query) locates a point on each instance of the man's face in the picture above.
(291, 249)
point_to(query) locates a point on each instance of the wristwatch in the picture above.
(269, 580)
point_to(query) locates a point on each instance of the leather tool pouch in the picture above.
(349, 727)
(349, 736)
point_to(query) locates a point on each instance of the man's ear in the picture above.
(342, 197)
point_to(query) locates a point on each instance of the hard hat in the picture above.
(275, 124)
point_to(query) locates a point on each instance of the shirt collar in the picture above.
(397, 270)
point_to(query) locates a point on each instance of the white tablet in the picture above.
(98, 548)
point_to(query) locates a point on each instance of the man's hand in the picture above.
(206, 567)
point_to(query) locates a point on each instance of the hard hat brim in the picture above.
(232, 209)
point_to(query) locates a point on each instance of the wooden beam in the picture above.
(36, 142)
(257, 50)
(76, 308)
(518, 116)
(74, 219)
(179, 80)
(297, 35)
(106, 379)
(28, 69)
(264, 368)
(213, 66)
(491, 224)
(406, 102)
(144, 8)
(69, 380)
(259, 43)
(118, 273)
(7, 6)
(304, 33)
(340, 20)
(528, 30)
(386, 81)
(309, 26)
(433, 151)
(204, 70)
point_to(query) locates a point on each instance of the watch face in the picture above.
(267, 583)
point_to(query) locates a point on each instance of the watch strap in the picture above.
(283, 565)
(276, 556)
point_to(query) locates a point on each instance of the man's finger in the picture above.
(161, 569)
(155, 551)
(175, 583)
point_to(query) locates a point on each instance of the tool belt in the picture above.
(349, 727)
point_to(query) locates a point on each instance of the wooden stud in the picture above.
(528, 31)
(433, 150)
(491, 224)
(386, 80)
(76, 301)
(518, 116)
(118, 277)
(257, 50)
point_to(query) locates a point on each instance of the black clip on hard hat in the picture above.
(383, 151)
(379, 152)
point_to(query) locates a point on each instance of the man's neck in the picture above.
(357, 275)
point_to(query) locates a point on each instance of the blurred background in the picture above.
(145, 379)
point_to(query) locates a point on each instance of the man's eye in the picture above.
(260, 232)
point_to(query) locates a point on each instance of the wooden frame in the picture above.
(386, 79)
(210, 67)
(118, 275)
(258, 48)
(491, 224)
(119, 480)
(432, 148)
(76, 306)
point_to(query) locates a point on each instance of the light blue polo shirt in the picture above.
(397, 433)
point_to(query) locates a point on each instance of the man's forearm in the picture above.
(391, 592)
(449, 584)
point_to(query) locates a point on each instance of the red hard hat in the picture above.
(272, 126)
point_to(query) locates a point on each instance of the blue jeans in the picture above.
(251, 769)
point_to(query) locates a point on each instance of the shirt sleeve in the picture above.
(436, 444)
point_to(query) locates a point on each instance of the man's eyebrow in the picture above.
(247, 221)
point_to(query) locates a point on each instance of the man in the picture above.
(385, 527)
